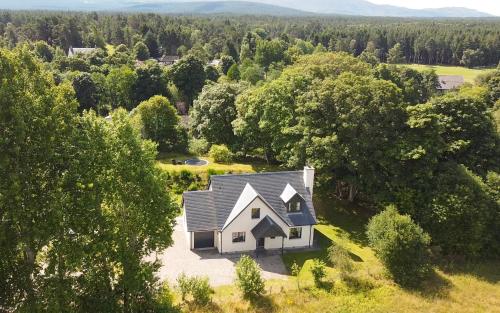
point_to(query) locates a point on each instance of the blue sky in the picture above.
(487, 6)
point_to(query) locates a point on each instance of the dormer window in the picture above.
(293, 206)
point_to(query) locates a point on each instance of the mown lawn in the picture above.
(469, 74)
(471, 288)
(165, 163)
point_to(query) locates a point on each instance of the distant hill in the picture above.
(263, 7)
(218, 7)
(366, 8)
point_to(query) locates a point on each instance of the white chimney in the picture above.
(309, 178)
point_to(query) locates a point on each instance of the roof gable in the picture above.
(246, 197)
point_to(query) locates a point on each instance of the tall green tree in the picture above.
(213, 112)
(79, 214)
(160, 123)
(141, 51)
(189, 76)
(395, 55)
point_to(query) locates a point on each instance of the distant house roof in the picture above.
(211, 209)
(168, 59)
(215, 62)
(448, 82)
(74, 51)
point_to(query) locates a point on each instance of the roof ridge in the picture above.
(259, 173)
(197, 191)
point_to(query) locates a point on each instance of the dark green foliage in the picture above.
(151, 81)
(189, 76)
(178, 182)
(91, 208)
(226, 63)
(472, 58)
(401, 245)
(269, 51)
(212, 73)
(213, 112)
(151, 42)
(234, 73)
(468, 131)
(417, 87)
(141, 51)
(160, 123)
(459, 212)
(395, 55)
(44, 51)
(249, 277)
(438, 42)
(86, 91)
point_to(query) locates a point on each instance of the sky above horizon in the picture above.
(487, 6)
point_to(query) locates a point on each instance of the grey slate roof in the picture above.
(267, 228)
(448, 82)
(209, 210)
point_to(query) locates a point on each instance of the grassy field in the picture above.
(165, 163)
(473, 288)
(468, 73)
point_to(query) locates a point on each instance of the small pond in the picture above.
(196, 162)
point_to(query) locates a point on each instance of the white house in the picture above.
(75, 51)
(252, 211)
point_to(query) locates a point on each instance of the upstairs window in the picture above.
(295, 233)
(239, 237)
(255, 213)
(293, 206)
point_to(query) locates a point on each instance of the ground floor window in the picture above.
(239, 237)
(295, 233)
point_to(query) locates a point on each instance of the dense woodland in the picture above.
(83, 203)
(422, 41)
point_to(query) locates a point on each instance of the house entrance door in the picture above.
(260, 242)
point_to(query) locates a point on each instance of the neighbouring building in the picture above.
(215, 62)
(168, 60)
(248, 212)
(450, 82)
(75, 51)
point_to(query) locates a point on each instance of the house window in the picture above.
(294, 206)
(255, 213)
(295, 233)
(239, 237)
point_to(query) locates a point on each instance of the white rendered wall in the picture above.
(245, 223)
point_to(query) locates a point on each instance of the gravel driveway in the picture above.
(219, 268)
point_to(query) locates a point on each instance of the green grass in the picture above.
(471, 288)
(165, 163)
(468, 73)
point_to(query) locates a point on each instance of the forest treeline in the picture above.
(470, 42)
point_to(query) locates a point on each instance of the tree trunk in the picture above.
(352, 192)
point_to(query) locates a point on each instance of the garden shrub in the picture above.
(401, 245)
(197, 287)
(198, 146)
(221, 154)
(249, 277)
(318, 270)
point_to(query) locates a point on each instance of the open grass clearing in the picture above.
(165, 163)
(469, 74)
